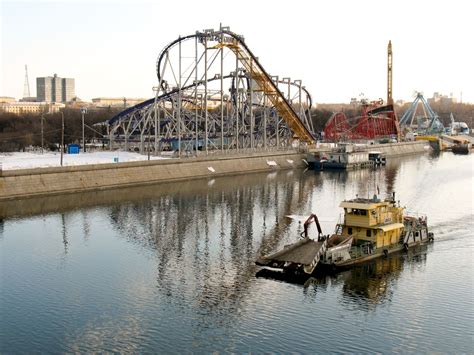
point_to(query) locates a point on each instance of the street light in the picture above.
(83, 112)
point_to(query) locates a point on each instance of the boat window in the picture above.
(357, 211)
(367, 233)
(349, 230)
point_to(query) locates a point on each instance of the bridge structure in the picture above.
(213, 94)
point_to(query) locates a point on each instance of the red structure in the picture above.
(376, 121)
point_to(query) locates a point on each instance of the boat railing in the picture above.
(339, 226)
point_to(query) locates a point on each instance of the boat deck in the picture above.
(302, 252)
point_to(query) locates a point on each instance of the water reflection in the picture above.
(206, 234)
(363, 286)
(171, 267)
(205, 241)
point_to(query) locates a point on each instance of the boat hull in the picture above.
(380, 253)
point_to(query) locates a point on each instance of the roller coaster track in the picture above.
(235, 43)
(185, 103)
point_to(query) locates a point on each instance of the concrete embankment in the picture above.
(403, 148)
(393, 149)
(16, 184)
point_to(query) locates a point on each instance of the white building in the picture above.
(19, 108)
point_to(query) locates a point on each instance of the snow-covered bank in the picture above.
(20, 160)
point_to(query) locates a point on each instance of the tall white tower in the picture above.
(26, 87)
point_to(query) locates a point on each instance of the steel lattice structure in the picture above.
(376, 121)
(213, 94)
(428, 123)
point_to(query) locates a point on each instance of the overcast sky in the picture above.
(338, 48)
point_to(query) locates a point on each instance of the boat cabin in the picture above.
(374, 222)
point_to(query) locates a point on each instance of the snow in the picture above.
(20, 160)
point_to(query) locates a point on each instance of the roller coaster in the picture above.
(376, 121)
(214, 95)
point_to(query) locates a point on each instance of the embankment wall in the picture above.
(16, 184)
(403, 148)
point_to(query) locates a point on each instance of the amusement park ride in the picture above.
(375, 121)
(213, 94)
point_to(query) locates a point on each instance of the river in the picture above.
(170, 268)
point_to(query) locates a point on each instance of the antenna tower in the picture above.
(26, 87)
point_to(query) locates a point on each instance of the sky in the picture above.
(337, 48)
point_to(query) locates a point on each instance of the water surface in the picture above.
(170, 268)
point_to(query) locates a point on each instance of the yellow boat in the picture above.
(371, 228)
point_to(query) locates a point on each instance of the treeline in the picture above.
(18, 132)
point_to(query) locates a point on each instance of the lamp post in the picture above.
(62, 136)
(83, 112)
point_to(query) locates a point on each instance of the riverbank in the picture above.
(24, 183)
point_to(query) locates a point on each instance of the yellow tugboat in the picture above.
(371, 228)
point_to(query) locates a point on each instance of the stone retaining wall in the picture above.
(49, 181)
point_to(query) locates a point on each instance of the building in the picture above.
(442, 99)
(55, 89)
(7, 99)
(116, 101)
(19, 108)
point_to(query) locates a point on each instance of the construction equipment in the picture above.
(389, 73)
(306, 224)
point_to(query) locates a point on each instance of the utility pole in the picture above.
(62, 136)
(83, 112)
(42, 141)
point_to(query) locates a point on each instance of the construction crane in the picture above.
(389, 74)
(375, 121)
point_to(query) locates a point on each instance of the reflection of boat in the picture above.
(372, 228)
(377, 157)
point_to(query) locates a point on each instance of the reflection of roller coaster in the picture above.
(213, 94)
